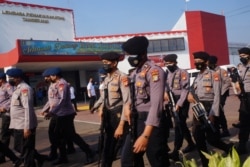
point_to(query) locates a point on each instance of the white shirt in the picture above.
(91, 89)
(72, 92)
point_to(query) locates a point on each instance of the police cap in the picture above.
(14, 72)
(110, 56)
(212, 59)
(201, 55)
(136, 45)
(2, 75)
(170, 58)
(54, 71)
(244, 50)
(45, 73)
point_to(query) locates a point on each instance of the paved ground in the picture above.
(87, 125)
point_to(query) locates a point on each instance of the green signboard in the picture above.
(69, 48)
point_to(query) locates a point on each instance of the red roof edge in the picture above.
(135, 34)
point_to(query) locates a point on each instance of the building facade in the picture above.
(37, 37)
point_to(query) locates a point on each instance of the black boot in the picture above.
(40, 160)
(52, 156)
(61, 160)
(174, 155)
(242, 148)
(189, 148)
(2, 159)
(90, 157)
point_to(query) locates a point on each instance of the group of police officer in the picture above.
(135, 117)
(141, 99)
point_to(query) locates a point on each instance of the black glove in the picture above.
(234, 78)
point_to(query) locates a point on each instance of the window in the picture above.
(164, 45)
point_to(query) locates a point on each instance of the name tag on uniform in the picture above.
(16, 102)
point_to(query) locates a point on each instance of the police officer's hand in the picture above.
(190, 98)
(3, 110)
(140, 144)
(118, 131)
(100, 112)
(26, 133)
(127, 113)
(177, 108)
(48, 116)
(211, 118)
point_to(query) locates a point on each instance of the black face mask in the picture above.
(200, 65)
(134, 60)
(212, 66)
(171, 67)
(244, 60)
(107, 68)
(12, 82)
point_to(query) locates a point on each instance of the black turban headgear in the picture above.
(201, 55)
(111, 56)
(170, 58)
(212, 59)
(136, 46)
(244, 50)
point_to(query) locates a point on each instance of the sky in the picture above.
(112, 17)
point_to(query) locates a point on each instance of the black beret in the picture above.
(201, 55)
(14, 72)
(212, 59)
(54, 71)
(45, 73)
(2, 75)
(136, 45)
(244, 50)
(110, 56)
(170, 58)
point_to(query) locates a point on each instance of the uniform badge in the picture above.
(183, 76)
(207, 76)
(155, 75)
(216, 77)
(138, 84)
(24, 92)
(208, 89)
(124, 81)
(143, 73)
(61, 86)
(225, 74)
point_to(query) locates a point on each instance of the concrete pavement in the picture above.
(87, 126)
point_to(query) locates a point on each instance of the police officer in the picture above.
(244, 111)
(115, 99)
(6, 91)
(224, 90)
(178, 83)
(149, 84)
(52, 124)
(60, 106)
(207, 88)
(23, 119)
